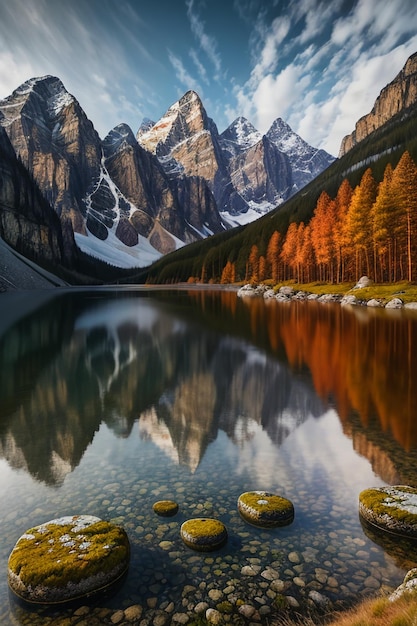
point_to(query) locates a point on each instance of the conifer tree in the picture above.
(305, 254)
(289, 247)
(404, 184)
(359, 222)
(253, 264)
(384, 225)
(341, 243)
(272, 255)
(322, 235)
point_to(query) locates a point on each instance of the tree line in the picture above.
(370, 229)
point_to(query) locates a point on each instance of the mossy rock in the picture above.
(203, 534)
(264, 509)
(392, 509)
(165, 508)
(67, 559)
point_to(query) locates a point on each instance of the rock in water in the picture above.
(68, 558)
(261, 508)
(392, 509)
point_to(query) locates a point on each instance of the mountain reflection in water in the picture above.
(185, 365)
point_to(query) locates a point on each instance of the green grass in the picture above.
(385, 292)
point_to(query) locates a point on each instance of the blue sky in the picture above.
(318, 64)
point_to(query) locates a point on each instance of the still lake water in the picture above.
(113, 399)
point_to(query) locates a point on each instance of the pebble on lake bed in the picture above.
(68, 558)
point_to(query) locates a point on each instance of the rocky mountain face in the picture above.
(130, 200)
(396, 97)
(27, 221)
(244, 170)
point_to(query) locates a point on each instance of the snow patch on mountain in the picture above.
(116, 253)
(239, 136)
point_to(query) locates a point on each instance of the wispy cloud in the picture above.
(183, 76)
(328, 75)
(200, 67)
(206, 42)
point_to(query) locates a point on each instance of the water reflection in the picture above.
(117, 358)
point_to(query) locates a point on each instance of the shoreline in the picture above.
(344, 295)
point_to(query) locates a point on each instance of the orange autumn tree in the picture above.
(253, 265)
(289, 249)
(272, 255)
(228, 274)
(342, 203)
(404, 184)
(323, 227)
(305, 252)
(385, 216)
(359, 223)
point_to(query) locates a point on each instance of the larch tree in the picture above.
(342, 204)
(305, 253)
(384, 225)
(253, 264)
(289, 247)
(272, 255)
(404, 184)
(359, 222)
(322, 235)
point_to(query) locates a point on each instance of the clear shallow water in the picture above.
(111, 400)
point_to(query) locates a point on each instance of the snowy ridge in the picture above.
(239, 136)
(159, 131)
(112, 250)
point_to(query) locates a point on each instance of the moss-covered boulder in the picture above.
(204, 534)
(392, 509)
(264, 509)
(165, 508)
(68, 558)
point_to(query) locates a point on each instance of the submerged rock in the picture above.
(392, 509)
(261, 508)
(204, 534)
(68, 558)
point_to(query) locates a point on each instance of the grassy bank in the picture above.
(384, 291)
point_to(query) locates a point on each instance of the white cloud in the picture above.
(207, 43)
(325, 123)
(200, 67)
(12, 73)
(275, 96)
(269, 55)
(182, 74)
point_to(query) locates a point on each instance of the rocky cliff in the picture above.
(55, 141)
(129, 200)
(27, 221)
(242, 169)
(398, 96)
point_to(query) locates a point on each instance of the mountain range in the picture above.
(128, 200)
(70, 200)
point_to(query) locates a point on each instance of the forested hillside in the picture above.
(245, 253)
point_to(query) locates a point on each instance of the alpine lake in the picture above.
(114, 399)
